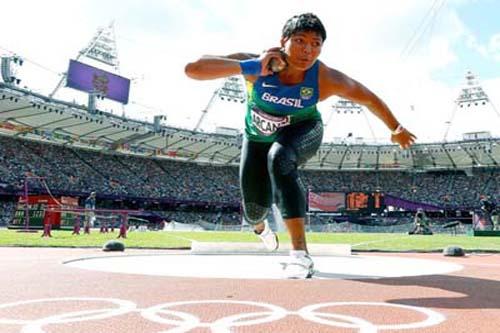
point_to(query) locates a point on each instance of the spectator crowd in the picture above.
(73, 169)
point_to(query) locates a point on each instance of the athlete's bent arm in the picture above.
(242, 56)
(211, 67)
(216, 67)
(334, 82)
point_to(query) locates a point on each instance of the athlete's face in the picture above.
(302, 49)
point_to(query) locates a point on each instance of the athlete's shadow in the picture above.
(478, 293)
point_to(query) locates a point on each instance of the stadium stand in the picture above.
(210, 193)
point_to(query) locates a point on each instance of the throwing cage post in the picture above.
(47, 228)
(86, 227)
(77, 226)
(123, 226)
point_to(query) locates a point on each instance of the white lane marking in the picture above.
(433, 317)
(184, 321)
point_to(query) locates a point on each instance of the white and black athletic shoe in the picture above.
(268, 237)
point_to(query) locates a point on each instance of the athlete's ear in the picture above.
(284, 40)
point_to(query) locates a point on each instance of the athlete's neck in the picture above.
(291, 76)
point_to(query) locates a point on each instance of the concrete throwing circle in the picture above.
(262, 266)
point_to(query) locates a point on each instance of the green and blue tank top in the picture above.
(272, 105)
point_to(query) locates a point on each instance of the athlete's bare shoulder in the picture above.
(333, 82)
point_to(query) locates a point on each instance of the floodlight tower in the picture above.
(345, 106)
(472, 92)
(232, 89)
(471, 95)
(9, 67)
(101, 48)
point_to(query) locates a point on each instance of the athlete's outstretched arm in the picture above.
(334, 82)
(215, 67)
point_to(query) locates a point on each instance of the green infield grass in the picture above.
(178, 239)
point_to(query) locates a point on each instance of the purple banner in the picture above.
(390, 200)
(90, 79)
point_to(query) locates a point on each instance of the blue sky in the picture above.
(477, 15)
(365, 40)
(481, 18)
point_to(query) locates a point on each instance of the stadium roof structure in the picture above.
(28, 115)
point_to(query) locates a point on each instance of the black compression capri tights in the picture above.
(268, 171)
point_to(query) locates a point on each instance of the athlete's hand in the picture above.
(405, 138)
(272, 61)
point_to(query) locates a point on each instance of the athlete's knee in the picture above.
(254, 213)
(281, 160)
